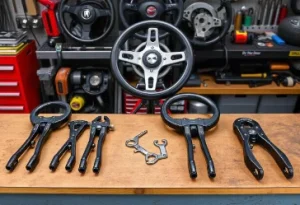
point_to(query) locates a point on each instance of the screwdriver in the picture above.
(265, 13)
(271, 12)
(277, 12)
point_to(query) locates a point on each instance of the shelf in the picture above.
(234, 89)
(216, 52)
(125, 172)
(46, 52)
(237, 51)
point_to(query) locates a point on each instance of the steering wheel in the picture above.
(151, 10)
(86, 14)
(204, 21)
(152, 60)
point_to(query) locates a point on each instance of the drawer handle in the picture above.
(11, 108)
(8, 84)
(9, 94)
(6, 68)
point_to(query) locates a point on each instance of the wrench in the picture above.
(150, 157)
(162, 148)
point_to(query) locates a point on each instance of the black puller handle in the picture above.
(13, 161)
(98, 160)
(56, 159)
(88, 149)
(34, 160)
(70, 164)
(209, 161)
(82, 165)
(190, 151)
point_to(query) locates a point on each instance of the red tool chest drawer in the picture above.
(19, 84)
(7, 70)
(9, 86)
(12, 108)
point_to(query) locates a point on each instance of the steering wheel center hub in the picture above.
(87, 14)
(151, 11)
(152, 59)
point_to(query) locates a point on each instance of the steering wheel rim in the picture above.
(150, 95)
(229, 19)
(178, 124)
(156, 4)
(95, 14)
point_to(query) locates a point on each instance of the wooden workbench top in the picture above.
(124, 172)
(240, 89)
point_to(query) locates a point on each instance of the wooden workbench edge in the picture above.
(150, 191)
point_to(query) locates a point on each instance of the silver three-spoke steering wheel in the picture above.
(154, 60)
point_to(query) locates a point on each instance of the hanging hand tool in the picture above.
(62, 83)
(32, 8)
(271, 14)
(195, 127)
(42, 127)
(279, 3)
(283, 13)
(50, 21)
(100, 129)
(248, 17)
(76, 129)
(265, 12)
(259, 12)
(250, 133)
(238, 21)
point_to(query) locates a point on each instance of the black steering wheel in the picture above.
(86, 14)
(152, 59)
(203, 19)
(151, 10)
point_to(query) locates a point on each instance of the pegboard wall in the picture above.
(16, 9)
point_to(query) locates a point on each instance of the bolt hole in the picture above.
(201, 20)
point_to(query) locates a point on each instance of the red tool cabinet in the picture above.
(19, 83)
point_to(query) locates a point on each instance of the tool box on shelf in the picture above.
(238, 103)
(277, 104)
(19, 84)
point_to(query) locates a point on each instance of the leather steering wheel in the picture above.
(206, 21)
(151, 10)
(152, 59)
(86, 14)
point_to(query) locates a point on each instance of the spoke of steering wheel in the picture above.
(85, 32)
(130, 57)
(152, 40)
(151, 78)
(173, 58)
(102, 12)
(130, 7)
(170, 7)
(71, 9)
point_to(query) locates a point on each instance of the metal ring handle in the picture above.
(178, 124)
(56, 121)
